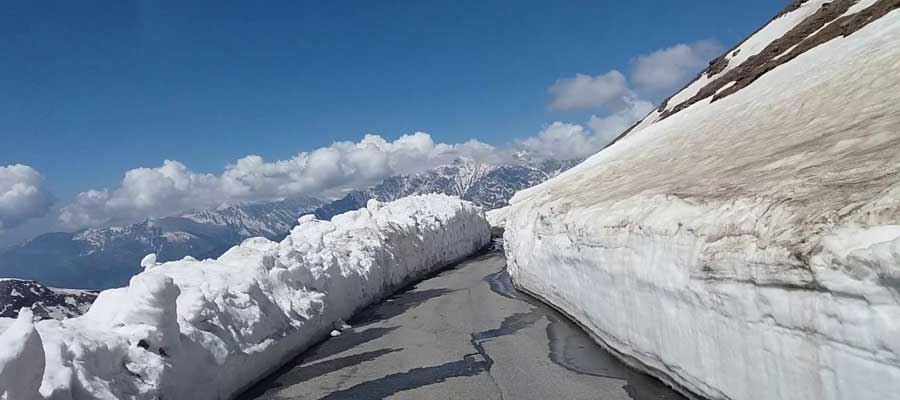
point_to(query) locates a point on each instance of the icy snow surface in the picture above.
(747, 248)
(206, 329)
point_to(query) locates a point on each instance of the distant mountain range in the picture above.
(488, 185)
(101, 258)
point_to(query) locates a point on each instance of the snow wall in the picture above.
(746, 248)
(208, 329)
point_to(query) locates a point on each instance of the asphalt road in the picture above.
(464, 333)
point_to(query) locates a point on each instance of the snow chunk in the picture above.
(341, 325)
(306, 218)
(149, 261)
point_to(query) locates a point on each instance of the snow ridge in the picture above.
(207, 329)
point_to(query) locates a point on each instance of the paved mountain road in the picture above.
(464, 333)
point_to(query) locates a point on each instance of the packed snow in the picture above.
(747, 248)
(207, 329)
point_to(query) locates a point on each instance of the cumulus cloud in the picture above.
(609, 93)
(561, 140)
(606, 128)
(566, 141)
(22, 195)
(672, 67)
(173, 187)
(620, 100)
(585, 91)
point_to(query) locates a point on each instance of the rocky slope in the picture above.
(743, 241)
(46, 303)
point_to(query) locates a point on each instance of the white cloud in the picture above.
(607, 128)
(612, 93)
(585, 91)
(328, 171)
(561, 140)
(22, 195)
(564, 141)
(672, 67)
(172, 187)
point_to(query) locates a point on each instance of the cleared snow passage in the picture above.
(747, 248)
(206, 329)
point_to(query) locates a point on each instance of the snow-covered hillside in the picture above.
(206, 329)
(743, 241)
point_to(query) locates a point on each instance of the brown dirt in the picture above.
(717, 65)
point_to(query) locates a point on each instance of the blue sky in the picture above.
(93, 89)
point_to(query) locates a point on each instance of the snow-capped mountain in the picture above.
(45, 302)
(743, 241)
(107, 257)
(273, 219)
(488, 185)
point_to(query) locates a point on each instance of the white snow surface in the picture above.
(207, 329)
(747, 248)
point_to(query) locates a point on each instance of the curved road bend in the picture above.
(464, 333)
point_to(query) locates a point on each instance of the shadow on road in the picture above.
(343, 343)
(414, 378)
(295, 371)
(395, 305)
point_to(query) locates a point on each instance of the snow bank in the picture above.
(207, 329)
(747, 248)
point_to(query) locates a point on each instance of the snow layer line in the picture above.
(747, 248)
(207, 329)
